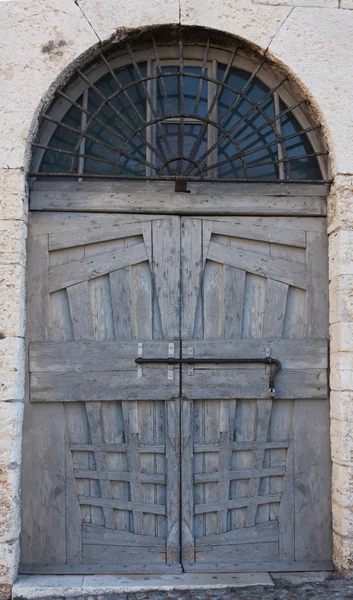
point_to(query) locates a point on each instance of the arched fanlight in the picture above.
(179, 109)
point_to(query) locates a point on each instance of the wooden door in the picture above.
(101, 443)
(103, 437)
(255, 471)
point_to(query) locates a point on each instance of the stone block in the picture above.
(340, 203)
(343, 554)
(342, 442)
(13, 242)
(341, 253)
(11, 417)
(13, 194)
(348, 4)
(112, 16)
(10, 503)
(342, 520)
(5, 591)
(12, 301)
(341, 337)
(342, 489)
(315, 44)
(39, 39)
(341, 406)
(305, 3)
(341, 371)
(341, 299)
(11, 452)
(9, 559)
(257, 24)
(12, 369)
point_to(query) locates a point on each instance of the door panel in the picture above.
(126, 466)
(263, 292)
(103, 484)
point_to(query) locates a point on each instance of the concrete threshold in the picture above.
(33, 587)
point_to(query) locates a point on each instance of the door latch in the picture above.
(190, 360)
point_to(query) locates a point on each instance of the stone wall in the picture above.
(40, 40)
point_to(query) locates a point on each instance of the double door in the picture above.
(174, 464)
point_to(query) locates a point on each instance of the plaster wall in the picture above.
(42, 38)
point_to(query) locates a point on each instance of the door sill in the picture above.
(34, 587)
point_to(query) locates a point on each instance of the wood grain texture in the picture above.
(62, 276)
(129, 448)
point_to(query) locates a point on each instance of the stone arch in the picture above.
(293, 91)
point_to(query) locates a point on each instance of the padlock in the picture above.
(271, 393)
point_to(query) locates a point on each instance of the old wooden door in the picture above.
(255, 471)
(159, 467)
(101, 473)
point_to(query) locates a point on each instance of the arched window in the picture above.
(158, 110)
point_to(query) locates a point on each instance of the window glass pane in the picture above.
(193, 92)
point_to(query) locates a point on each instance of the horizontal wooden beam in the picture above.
(94, 534)
(244, 474)
(104, 386)
(262, 532)
(236, 503)
(155, 509)
(108, 447)
(115, 476)
(241, 446)
(161, 198)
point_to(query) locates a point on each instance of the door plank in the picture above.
(317, 292)
(93, 355)
(262, 231)
(264, 408)
(120, 286)
(80, 311)
(276, 301)
(263, 532)
(312, 498)
(278, 269)
(62, 276)
(166, 273)
(134, 197)
(234, 290)
(92, 534)
(44, 443)
(227, 420)
(94, 419)
(96, 233)
(191, 244)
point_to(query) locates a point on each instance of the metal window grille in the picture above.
(172, 112)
